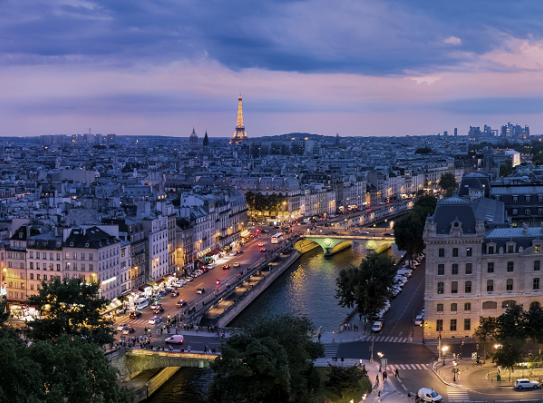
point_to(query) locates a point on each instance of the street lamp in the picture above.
(454, 371)
(461, 345)
(444, 351)
(381, 355)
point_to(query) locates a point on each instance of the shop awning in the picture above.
(143, 287)
(116, 303)
(213, 252)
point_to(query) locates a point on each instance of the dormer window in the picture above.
(528, 197)
(71, 244)
(87, 245)
(515, 199)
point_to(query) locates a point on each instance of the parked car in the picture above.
(181, 303)
(429, 395)
(162, 293)
(176, 339)
(174, 294)
(154, 320)
(200, 290)
(377, 326)
(128, 330)
(190, 278)
(135, 314)
(233, 253)
(419, 320)
(236, 264)
(210, 266)
(526, 384)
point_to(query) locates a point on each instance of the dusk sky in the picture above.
(353, 67)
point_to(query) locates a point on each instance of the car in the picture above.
(181, 303)
(175, 339)
(121, 326)
(377, 326)
(190, 278)
(210, 266)
(525, 383)
(236, 264)
(135, 314)
(154, 320)
(158, 310)
(162, 293)
(226, 267)
(388, 234)
(240, 252)
(200, 290)
(429, 395)
(262, 249)
(128, 330)
(174, 294)
(233, 253)
(419, 320)
(155, 305)
(261, 244)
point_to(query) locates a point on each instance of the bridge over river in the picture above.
(374, 240)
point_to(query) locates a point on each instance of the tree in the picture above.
(70, 306)
(534, 323)
(368, 285)
(250, 370)
(511, 325)
(448, 183)
(509, 353)
(68, 370)
(344, 379)
(506, 169)
(423, 150)
(485, 331)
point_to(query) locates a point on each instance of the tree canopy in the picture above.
(448, 183)
(409, 229)
(70, 306)
(423, 150)
(367, 286)
(273, 203)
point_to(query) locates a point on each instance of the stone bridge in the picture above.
(334, 243)
(131, 362)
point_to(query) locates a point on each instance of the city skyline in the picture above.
(358, 69)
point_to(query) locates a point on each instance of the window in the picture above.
(535, 305)
(514, 211)
(455, 252)
(441, 252)
(439, 325)
(467, 306)
(510, 248)
(67, 255)
(454, 307)
(490, 250)
(37, 255)
(45, 277)
(510, 266)
(467, 287)
(469, 252)
(490, 267)
(31, 276)
(82, 266)
(509, 284)
(467, 324)
(527, 212)
(31, 255)
(537, 265)
(38, 276)
(536, 284)
(90, 256)
(509, 304)
(31, 287)
(454, 269)
(440, 269)
(490, 285)
(454, 287)
(31, 265)
(37, 265)
(537, 249)
(490, 305)
(58, 256)
(58, 267)
(453, 325)
(439, 307)
(82, 256)
(469, 268)
(90, 267)
(515, 199)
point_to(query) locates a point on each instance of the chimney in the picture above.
(525, 228)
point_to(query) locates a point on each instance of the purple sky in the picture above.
(353, 67)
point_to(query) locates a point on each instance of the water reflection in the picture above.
(188, 385)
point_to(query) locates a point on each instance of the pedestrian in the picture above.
(397, 373)
(176, 329)
(319, 337)
(161, 331)
(377, 379)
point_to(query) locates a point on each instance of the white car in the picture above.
(429, 395)
(419, 320)
(121, 326)
(176, 339)
(377, 326)
(526, 384)
(154, 320)
(210, 266)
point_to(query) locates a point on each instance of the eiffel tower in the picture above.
(239, 135)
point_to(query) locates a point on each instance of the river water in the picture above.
(306, 288)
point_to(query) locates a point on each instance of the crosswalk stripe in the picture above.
(457, 393)
(402, 366)
(395, 339)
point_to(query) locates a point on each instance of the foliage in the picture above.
(423, 150)
(505, 170)
(509, 353)
(34, 231)
(4, 315)
(70, 370)
(272, 203)
(345, 379)
(486, 329)
(250, 370)
(534, 323)
(99, 147)
(368, 285)
(511, 325)
(537, 159)
(293, 335)
(409, 229)
(177, 200)
(448, 182)
(70, 306)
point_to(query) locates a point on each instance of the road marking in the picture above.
(409, 303)
(457, 393)
(402, 366)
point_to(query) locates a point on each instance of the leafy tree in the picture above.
(537, 159)
(423, 150)
(70, 306)
(509, 353)
(69, 370)
(506, 169)
(177, 200)
(448, 182)
(368, 285)
(250, 370)
(344, 379)
(511, 325)
(534, 323)
(34, 231)
(294, 334)
(99, 147)
(485, 331)
(4, 315)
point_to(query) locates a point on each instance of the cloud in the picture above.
(453, 40)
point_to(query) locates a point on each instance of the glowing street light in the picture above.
(444, 351)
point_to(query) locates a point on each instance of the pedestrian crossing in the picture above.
(457, 394)
(406, 367)
(386, 339)
(330, 350)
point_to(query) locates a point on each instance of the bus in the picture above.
(277, 238)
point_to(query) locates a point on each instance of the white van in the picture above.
(141, 303)
(429, 395)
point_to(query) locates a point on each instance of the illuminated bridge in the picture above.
(334, 243)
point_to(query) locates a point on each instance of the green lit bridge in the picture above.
(332, 243)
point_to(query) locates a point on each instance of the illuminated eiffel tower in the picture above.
(239, 135)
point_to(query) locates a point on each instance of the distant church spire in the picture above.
(239, 134)
(206, 140)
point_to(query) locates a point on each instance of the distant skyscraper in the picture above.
(193, 140)
(239, 135)
(455, 132)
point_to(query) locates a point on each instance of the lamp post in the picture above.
(381, 355)
(444, 351)
(454, 371)
(461, 345)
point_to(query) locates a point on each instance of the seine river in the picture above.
(306, 288)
